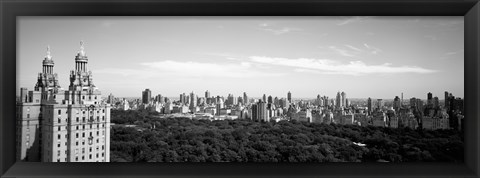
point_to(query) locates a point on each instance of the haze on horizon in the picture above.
(377, 57)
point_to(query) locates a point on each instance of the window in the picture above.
(95, 97)
(83, 127)
(83, 119)
(76, 143)
(89, 97)
(58, 136)
(58, 160)
(103, 118)
(103, 110)
(103, 147)
(58, 153)
(83, 142)
(103, 154)
(90, 156)
(59, 128)
(98, 133)
(76, 135)
(83, 112)
(83, 134)
(97, 140)
(59, 111)
(59, 120)
(76, 158)
(78, 119)
(58, 145)
(83, 97)
(97, 155)
(90, 149)
(28, 115)
(83, 158)
(83, 150)
(77, 127)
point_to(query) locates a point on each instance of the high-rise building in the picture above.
(276, 101)
(270, 99)
(447, 100)
(57, 125)
(193, 102)
(245, 98)
(262, 111)
(254, 112)
(436, 102)
(159, 98)
(396, 103)
(146, 96)
(264, 98)
(429, 100)
(369, 105)
(207, 94)
(338, 100)
(289, 97)
(379, 103)
(111, 99)
(344, 97)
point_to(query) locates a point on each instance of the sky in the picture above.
(378, 57)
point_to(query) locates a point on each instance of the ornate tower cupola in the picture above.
(47, 80)
(81, 60)
(48, 63)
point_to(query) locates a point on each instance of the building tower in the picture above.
(369, 105)
(338, 100)
(262, 112)
(289, 97)
(193, 102)
(270, 99)
(146, 96)
(429, 100)
(57, 125)
(344, 97)
(245, 98)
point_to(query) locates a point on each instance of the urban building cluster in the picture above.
(63, 125)
(338, 110)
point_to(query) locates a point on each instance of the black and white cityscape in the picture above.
(240, 89)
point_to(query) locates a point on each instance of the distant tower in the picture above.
(396, 103)
(270, 99)
(369, 105)
(344, 97)
(338, 100)
(264, 98)
(146, 96)
(193, 102)
(245, 98)
(289, 97)
(429, 100)
(262, 112)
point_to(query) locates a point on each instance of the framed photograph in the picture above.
(240, 89)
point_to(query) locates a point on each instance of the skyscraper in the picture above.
(146, 96)
(193, 102)
(289, 97)
(429, 100)
(111, 99)
(207, 94)
(262, 112)
(369, 105)
(264, 98)
(344, 97)
(338, 100)
(396, 103)
(57, 125)
(245, 98)
(270, 99)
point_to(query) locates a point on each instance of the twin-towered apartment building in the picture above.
(63, 125)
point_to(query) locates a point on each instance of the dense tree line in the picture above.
(183, 139)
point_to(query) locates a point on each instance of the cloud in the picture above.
(342, 52)
(352, 20)
(372, 49)
(278, 31)
(327, 66)
(190, 70)
(352, 51)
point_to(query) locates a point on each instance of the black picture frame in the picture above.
(9, 9)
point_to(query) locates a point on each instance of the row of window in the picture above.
(83, 127)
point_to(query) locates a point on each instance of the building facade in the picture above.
(58, 125)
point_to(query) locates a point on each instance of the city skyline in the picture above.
(305, 55)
